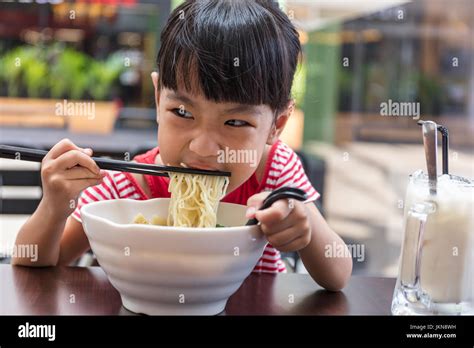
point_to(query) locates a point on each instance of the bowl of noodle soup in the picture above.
(164, 269)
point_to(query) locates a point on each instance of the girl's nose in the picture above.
(204, 146)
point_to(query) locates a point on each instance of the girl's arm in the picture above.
(74, 242)
(42, 230)
(59, 242)
(332, 273)
(301, 227)
(66, 170)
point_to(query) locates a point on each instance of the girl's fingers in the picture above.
(73, 158)
(79, 185)
(297, 213)
(274, 215)
(255, 202)
(285, 237)
(268, 229)
(61, 147)
(81, 173)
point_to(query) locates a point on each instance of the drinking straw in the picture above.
(445, 147)
(445, 144)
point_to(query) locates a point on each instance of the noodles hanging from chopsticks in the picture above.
(195, 199)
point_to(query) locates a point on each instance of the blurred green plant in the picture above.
(11, 71)
(67, 76)
(298, 89)
(58, 72)
(413, 85)
(103, 74)
(430, 94)
(35, 70)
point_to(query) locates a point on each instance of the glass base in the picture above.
(406, 303)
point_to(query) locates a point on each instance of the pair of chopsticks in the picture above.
(35, 155)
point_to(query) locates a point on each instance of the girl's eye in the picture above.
(237, 123)
(180, 112)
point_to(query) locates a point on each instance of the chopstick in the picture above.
(35, 155)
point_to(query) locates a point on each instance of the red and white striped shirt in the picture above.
(283, 168)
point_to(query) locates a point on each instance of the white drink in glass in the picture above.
(437, 258)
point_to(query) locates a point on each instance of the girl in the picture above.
(225, 70)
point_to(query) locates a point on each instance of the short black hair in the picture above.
(238, 51)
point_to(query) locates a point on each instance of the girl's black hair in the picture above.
(238, 51)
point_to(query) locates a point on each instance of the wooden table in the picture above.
(50, 291)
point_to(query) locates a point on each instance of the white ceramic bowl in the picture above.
(161, 270)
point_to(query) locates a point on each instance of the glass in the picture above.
(437, 257)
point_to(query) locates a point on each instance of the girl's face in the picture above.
(217, 136)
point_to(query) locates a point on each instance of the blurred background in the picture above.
(81, 69)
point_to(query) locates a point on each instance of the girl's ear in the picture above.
(154, 78)
(280, 122)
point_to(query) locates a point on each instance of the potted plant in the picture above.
(80, 86)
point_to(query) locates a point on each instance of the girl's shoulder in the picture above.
(151, 186)
(275, 159)
(147, 157)
(140, 180)
(284, 168)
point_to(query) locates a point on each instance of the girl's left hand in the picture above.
(285, 224)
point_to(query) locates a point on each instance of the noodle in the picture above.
(194, 201)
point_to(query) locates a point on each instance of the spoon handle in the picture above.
(430, 142)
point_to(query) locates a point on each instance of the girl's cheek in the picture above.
(179, 123)
(169, 144)
(170, 133)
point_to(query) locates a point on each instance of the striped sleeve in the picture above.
(115, 185)
(286, 170)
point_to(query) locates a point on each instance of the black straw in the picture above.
(445, 144)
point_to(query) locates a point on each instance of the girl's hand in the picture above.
(66, 170)
(285, 224)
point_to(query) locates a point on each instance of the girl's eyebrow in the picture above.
(180, 97)
(251, 109)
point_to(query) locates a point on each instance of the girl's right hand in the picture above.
(66, 170)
